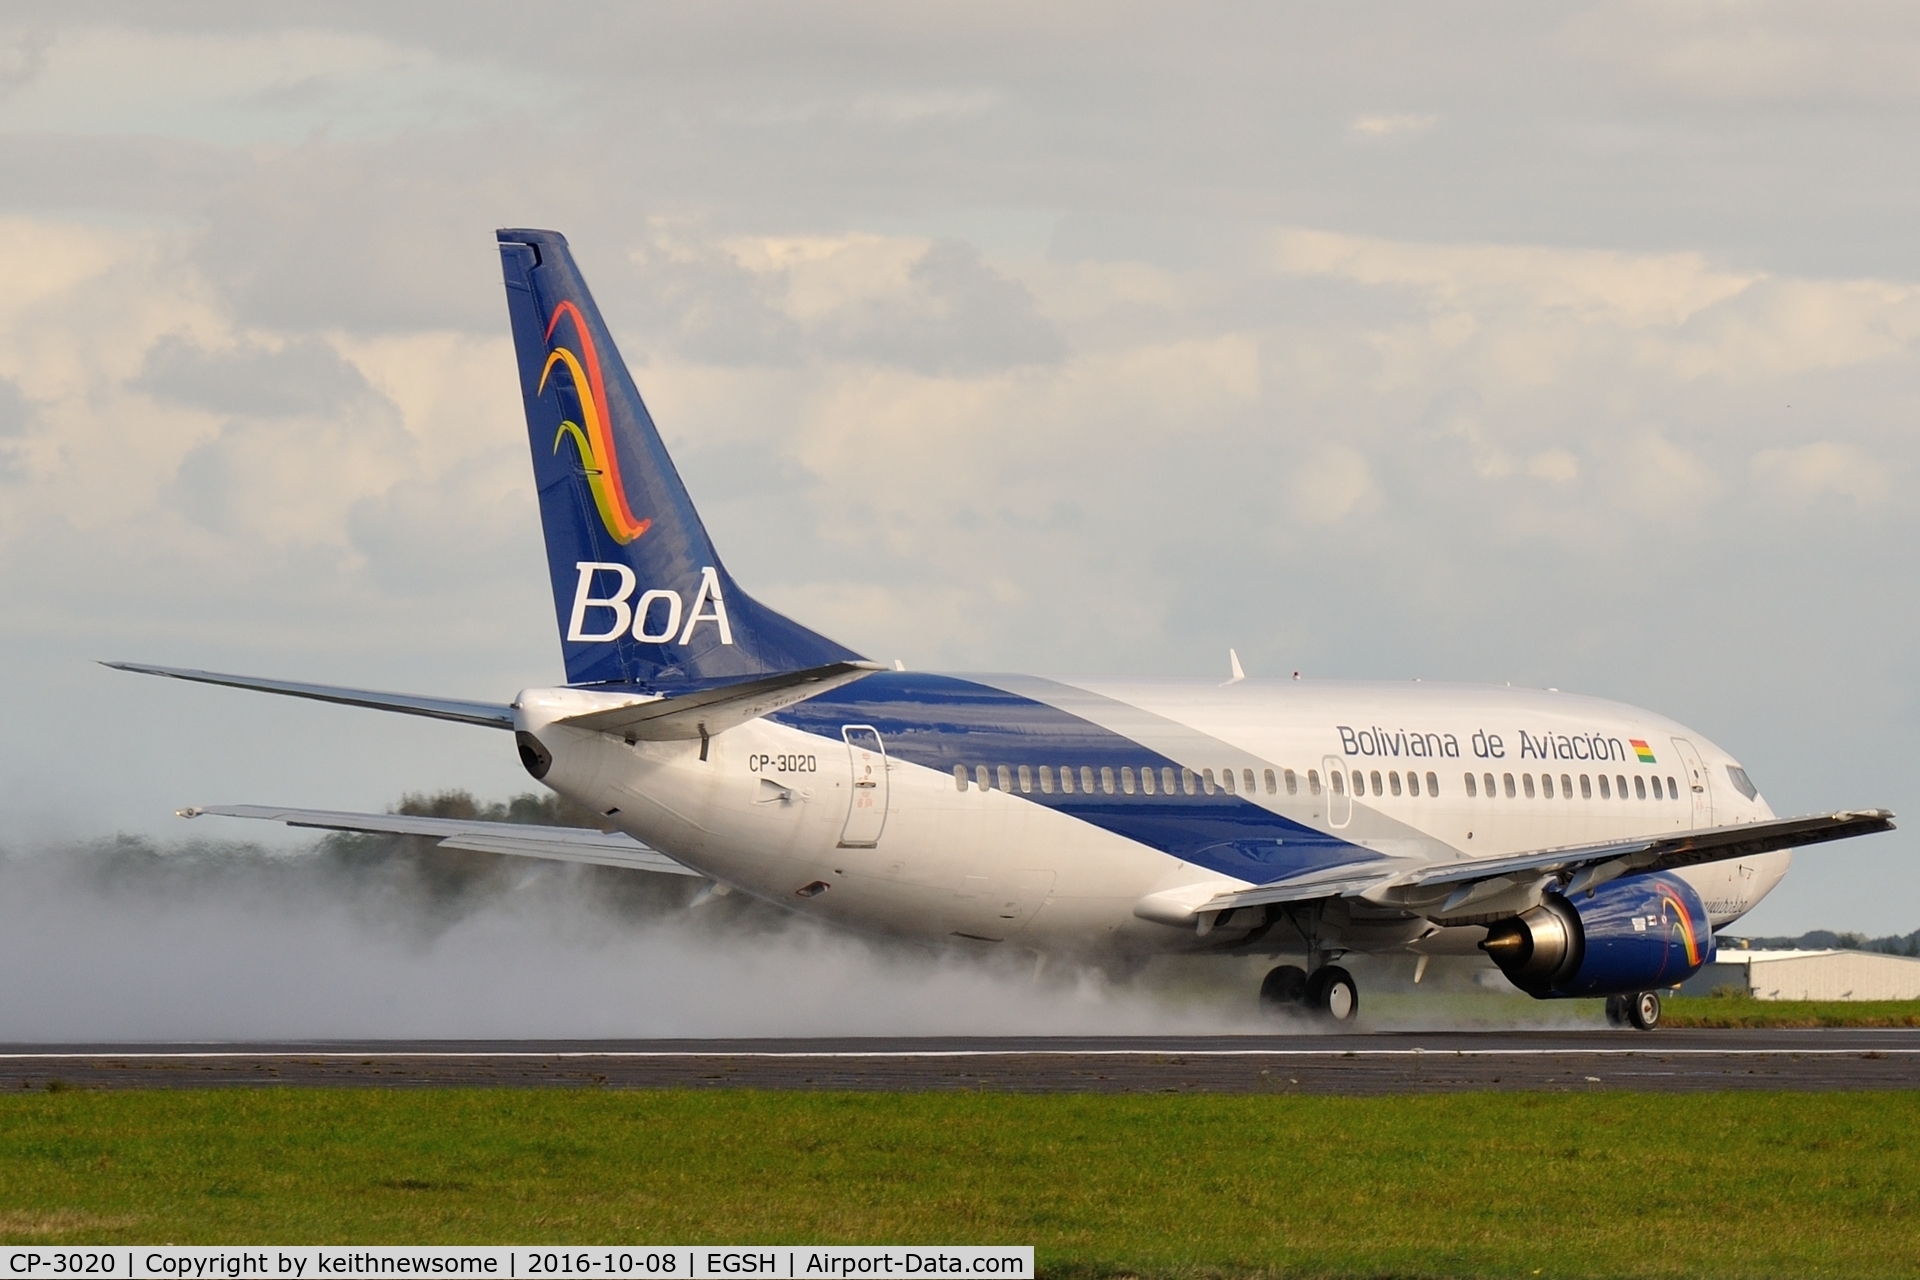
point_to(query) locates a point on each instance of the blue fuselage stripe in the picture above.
(942, 721)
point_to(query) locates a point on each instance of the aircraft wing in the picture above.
(492, 715)
(1592, 864)
(1667, 852)
(561, 844)
(708, 711)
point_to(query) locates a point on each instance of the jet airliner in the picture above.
(1586, 847)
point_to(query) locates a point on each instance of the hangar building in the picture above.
(1809, 975)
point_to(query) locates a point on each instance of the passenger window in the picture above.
(959, 777)
(1106, 779)
(1376, 783)
(1656, 788)
(1566, 786)
(1413, 783)
(1207, 783)
(1359, 783)
(1066, 779)
(1472, 791)
(1339, 781)
(1293, 782)
(1166, 779)
(1509, 781)
(1046, 779)
(1639, 787)
(1126, 779)
(980, 777)
(1620, 780)
(1273, 783)
(1006, 779)
(1393, 781)
(1546, 785)
(1026, 780)
(1313, 781)
(1147, 780)
(1673, 788)
(1226, 781)
(1187, 783)
(1526, 781)
(1488, 779)
(1246, 778)
(1433, 783)
(1605, 794)
(1086, 779)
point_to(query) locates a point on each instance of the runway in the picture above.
(1668, 1061)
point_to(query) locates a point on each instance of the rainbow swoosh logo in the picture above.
(1686, 924)
(1642, 750)
(594, 441)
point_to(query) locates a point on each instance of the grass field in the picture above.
(1479, 1184)
(1744, 1011)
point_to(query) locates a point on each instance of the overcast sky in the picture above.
(1568, 345)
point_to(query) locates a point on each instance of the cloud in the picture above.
(245, 87)
(1761, 51)
(302, 376)
(1824, 468)
(1390, 125)
(1335, 483)
(933, 104)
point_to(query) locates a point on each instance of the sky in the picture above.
(1566, 345)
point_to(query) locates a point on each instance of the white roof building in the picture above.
(1809, 975)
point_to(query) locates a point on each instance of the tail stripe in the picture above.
(598, 457)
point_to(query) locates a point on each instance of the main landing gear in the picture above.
(1640, 1010)
(1330, 994)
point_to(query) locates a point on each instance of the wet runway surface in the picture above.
(1378, 1063)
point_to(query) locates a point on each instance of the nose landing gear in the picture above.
(1640, 1010)
(1329, 994)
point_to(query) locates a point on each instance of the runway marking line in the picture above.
(898, 1054)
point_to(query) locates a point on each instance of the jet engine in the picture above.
(1628, 935)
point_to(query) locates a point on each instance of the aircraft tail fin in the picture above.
(640, 595)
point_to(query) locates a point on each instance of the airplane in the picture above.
(1585, 847)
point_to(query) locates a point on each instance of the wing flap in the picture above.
(561, 844)
(491, 715)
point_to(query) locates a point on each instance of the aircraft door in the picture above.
(1695, 779)
(1339, 799)
(867, 805)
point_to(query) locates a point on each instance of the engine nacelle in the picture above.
(1631, 934)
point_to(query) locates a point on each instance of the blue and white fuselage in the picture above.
(1099, 816)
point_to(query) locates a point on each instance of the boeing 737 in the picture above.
(1585, 847)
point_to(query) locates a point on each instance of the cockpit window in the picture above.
(1741, 782)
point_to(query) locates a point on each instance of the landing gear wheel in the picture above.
(1643, 1010)
(1332, 994)
(1617, 1011)
(1283, 990)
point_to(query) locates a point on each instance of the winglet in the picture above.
(1233, 660)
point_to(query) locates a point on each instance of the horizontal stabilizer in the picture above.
(494, 715)
(561, 844)
(709, 711)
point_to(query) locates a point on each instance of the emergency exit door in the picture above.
(867, 803)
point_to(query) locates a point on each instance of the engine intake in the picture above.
(1631, 934)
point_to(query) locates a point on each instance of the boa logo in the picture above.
(594, 441)
(652, 619)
